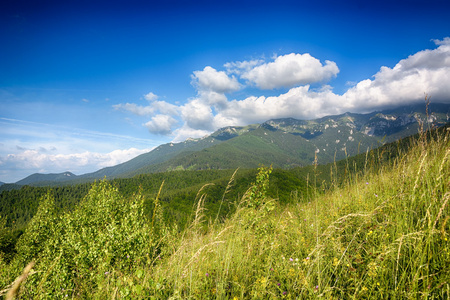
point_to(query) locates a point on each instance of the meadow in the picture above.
(378, 232)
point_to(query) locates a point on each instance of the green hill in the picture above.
(47, 178)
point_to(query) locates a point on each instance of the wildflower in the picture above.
(291, 259)
(335, 261)
(284, 293)
(278, 284)
(367, 183)
(271, 269)
(291, 272)
(106, 273)
(207, 274)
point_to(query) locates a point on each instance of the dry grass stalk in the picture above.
(446, 197)
(198, 253)
(16, 284)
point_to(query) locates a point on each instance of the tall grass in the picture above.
(381, 235)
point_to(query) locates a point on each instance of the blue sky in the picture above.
(89, 84)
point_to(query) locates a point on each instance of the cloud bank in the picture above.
(294, 76)
(31, 147)
(42, 160)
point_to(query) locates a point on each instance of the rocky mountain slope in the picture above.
(284, 143)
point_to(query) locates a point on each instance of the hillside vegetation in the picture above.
(284, 143)
(381, 233)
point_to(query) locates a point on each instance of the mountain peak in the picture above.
(45, 178)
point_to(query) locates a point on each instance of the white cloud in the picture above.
(299, 102)
(161, 106)
(291, 70)
(240, 67)
(427, 71)
(445, 41)
(151, 97)
(214, 99)
(28, 161)
(165, 107)
(30, 147)
(135, 109)
(184, 132)
(197, 115)
(212, 80)
(161, 124)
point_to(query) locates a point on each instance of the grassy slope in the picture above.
(383, 234)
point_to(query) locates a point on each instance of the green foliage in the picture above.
(40, 229)
(105, 232)
(258, 191)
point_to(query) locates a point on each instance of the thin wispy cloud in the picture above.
(38, 126)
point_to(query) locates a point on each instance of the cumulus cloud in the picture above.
(184, 132)
(240, 67)
(291, 70)
(445, 41)
(299, 102)
(212, 80)
(427, 71)
(151, 97)
(161, 124)
(197, 115)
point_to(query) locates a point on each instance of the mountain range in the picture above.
(283, 143)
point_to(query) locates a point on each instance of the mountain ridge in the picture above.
(282, 142)
(51, 177)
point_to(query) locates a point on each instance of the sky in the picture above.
(90, 84)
